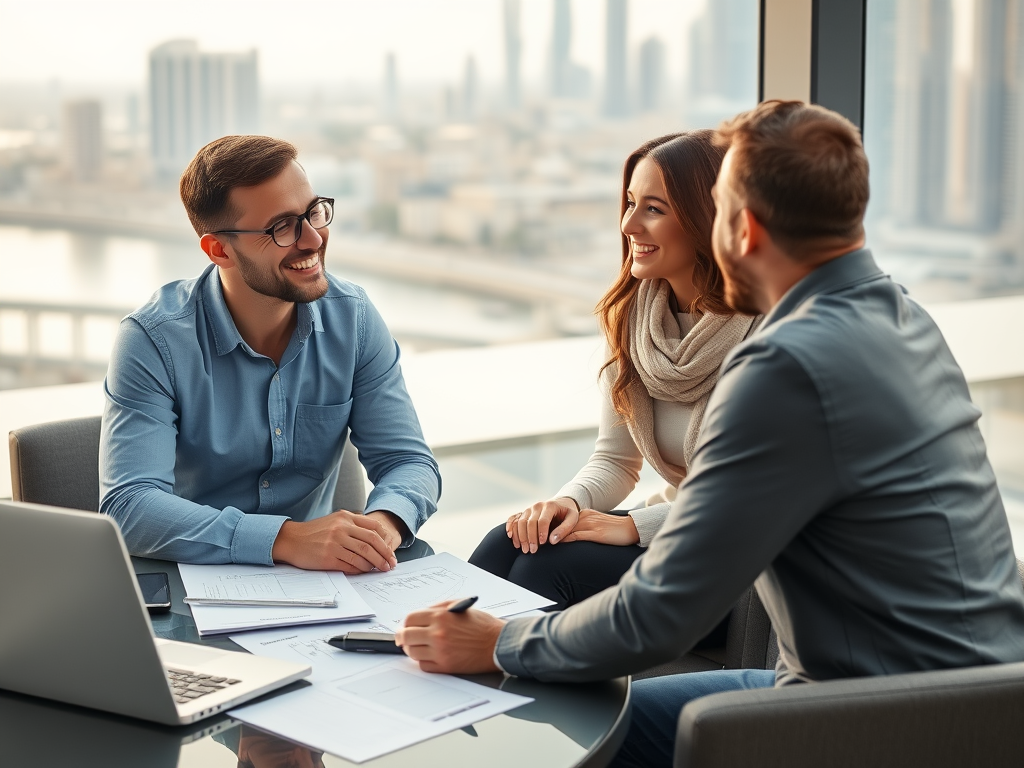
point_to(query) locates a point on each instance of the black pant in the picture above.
(567, 573)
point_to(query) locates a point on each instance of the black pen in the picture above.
(462, 605)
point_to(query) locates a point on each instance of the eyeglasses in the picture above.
(288, 230)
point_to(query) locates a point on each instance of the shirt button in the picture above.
(277, 431)
(277, 377)
(266, 483)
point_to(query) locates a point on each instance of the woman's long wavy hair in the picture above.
(689, 164)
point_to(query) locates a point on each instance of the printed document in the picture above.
(363, 705)
(417, 584)
(278, 582)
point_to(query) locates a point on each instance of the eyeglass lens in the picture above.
(288, 231)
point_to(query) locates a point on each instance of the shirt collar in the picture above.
(849, 269)
(226, 335)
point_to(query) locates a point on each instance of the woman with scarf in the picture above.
(668, 330)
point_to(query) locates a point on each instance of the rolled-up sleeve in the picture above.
(386, 430)
(137, 459)
(763, 469)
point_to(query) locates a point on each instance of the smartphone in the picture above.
(366, 642)
(156, 591)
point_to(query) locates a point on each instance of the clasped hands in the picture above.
(531, 528)
(350, 542)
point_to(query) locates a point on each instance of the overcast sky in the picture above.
(94, 41)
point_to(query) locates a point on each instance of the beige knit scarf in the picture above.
(675, 367)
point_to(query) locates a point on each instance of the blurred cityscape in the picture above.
(484, 210)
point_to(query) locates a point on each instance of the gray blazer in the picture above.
(840, 460)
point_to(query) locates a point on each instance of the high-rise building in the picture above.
(513, 54)
(83, 138)
(722, 70)
(616, 82)
(470, 90)
(651, 75)
(561, 44)
(569, 80)
(196, 97)
(389, 101)
(954, 125)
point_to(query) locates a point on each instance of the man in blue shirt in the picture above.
(229, 396)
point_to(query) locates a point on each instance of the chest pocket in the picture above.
(320, 438)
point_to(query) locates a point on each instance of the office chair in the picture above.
(948, 717)
(58, 464)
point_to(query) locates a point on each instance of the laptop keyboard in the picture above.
(189, 686)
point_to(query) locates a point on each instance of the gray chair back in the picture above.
(58, 464)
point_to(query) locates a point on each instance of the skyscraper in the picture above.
(389, 101)
(722, 78)
(561, 42)
(616, 82)
(470, 90)
(953, 128)
(83, 138)
(569, 80)
(513, 52)
(651, 86)
(196, 97)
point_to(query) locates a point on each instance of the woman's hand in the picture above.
(529, 529)
(604, 529)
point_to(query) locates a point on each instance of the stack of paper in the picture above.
(362, 705)
(279, 582)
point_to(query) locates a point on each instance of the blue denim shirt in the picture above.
(207, 447)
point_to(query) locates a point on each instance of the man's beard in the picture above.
(739, 289)
(264, 281)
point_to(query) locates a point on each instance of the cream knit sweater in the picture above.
(613, 470)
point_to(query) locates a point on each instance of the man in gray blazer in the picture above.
(840, 466)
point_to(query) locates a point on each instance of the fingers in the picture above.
(352, 560)
(366, 542)
(512, 528)
(568, 524)
(522, 528)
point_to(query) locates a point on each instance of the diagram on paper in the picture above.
(412, 591)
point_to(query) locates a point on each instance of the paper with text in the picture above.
(279, 582)
(361, 706)
(417, 584)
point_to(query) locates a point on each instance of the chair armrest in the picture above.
(960, 717)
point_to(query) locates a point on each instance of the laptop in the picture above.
(73, 627)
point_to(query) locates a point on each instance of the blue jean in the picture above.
(657, 702)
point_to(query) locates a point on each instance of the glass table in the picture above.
(565, 725)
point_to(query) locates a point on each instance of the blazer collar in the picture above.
(849, 269)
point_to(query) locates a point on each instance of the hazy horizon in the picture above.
(431, 40)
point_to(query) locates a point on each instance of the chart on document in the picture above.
(414, 590)
(418, 584)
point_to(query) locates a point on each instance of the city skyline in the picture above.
(112, 53)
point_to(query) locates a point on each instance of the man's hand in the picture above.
(394, 527)
(529, 529)
(344, 541)
(451, 642)
(604, 529)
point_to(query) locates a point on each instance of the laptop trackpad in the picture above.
(187, 654)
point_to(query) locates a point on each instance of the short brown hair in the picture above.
(222, 165)
(689, 164)
(802, 171)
